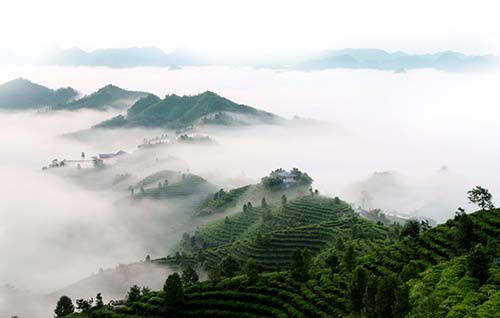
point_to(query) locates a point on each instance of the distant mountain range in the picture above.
(345, 58)
(176, 111)
(22, 94)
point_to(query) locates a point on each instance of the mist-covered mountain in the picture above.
(380, 59)
(176, 111)
(22, 94)
(364, 58)
(106, 97)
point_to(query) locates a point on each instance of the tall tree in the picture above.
(252, 269)
(98, 301)
(385, 296)
(189, 276)
(349, 260)
(300, 265)
(478, 262)
(174, 292)
(356, 289)
(64, 307)
(401, 305)
(369, 301)
(465, 235)
(411, 228)
(133, 294)
(332, 262)
(480, 196)
(229, 266)
(264, 203)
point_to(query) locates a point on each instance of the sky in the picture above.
(253, 27)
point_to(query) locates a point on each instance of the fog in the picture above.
(59, 227)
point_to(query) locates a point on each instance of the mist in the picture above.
(59, 227)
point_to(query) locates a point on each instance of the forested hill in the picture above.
(109, 96)
(176, 111)
(313, 257)
(22, 94)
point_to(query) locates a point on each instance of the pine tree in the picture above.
(252, 269)
(401, 305)
(189, 276)
(369, 301)
(229, 266)
(385, 296)
(133, 294)
(478, 263)
(349, 260)
(300, 264)
(173, 289)
(98, 301)
(64, 307)
(357, 289)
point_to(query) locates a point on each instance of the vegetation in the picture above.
(314, 257)
(184, 111)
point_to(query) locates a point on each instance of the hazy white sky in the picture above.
(253, 26)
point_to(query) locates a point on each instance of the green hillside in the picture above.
(21, 94)
(109, 96)
(182, 111)
(313, 256)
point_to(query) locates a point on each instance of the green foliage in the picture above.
(411, 228)
(357, 287)
(133, 294)
(252, 269)
(478, 262)
(229, 267)
(174, 292)
(98, 301)
(64, 307)
(300, 264)
(349, 259)
(84, 305)
(480, 196)
(184, 111)
(189, 276)
(465, 235)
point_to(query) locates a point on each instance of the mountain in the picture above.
(125, 57)
(362, 58)
(176, 111)
(106, 97)
(21, 94)
(314, 257)
(382, 60)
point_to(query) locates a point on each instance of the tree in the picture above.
(411, 228)
(165, 184)
(385, 297)
(64, 307)
(142, 190)
(339, 244)
(478, 262)
(369, 301)
(332, 262)
(425, 225)
(264, 203)
(357, 289)
(84, 305)
(283, 199)
(300, 264)
(252, 269)
(173, 289)
(349, 259)
(481, 197)
(465, 235)
(133, 294)
(147, 259)
(401, 305)
(214, 274)
(189, 276)
(98, 301)
(229, 266)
